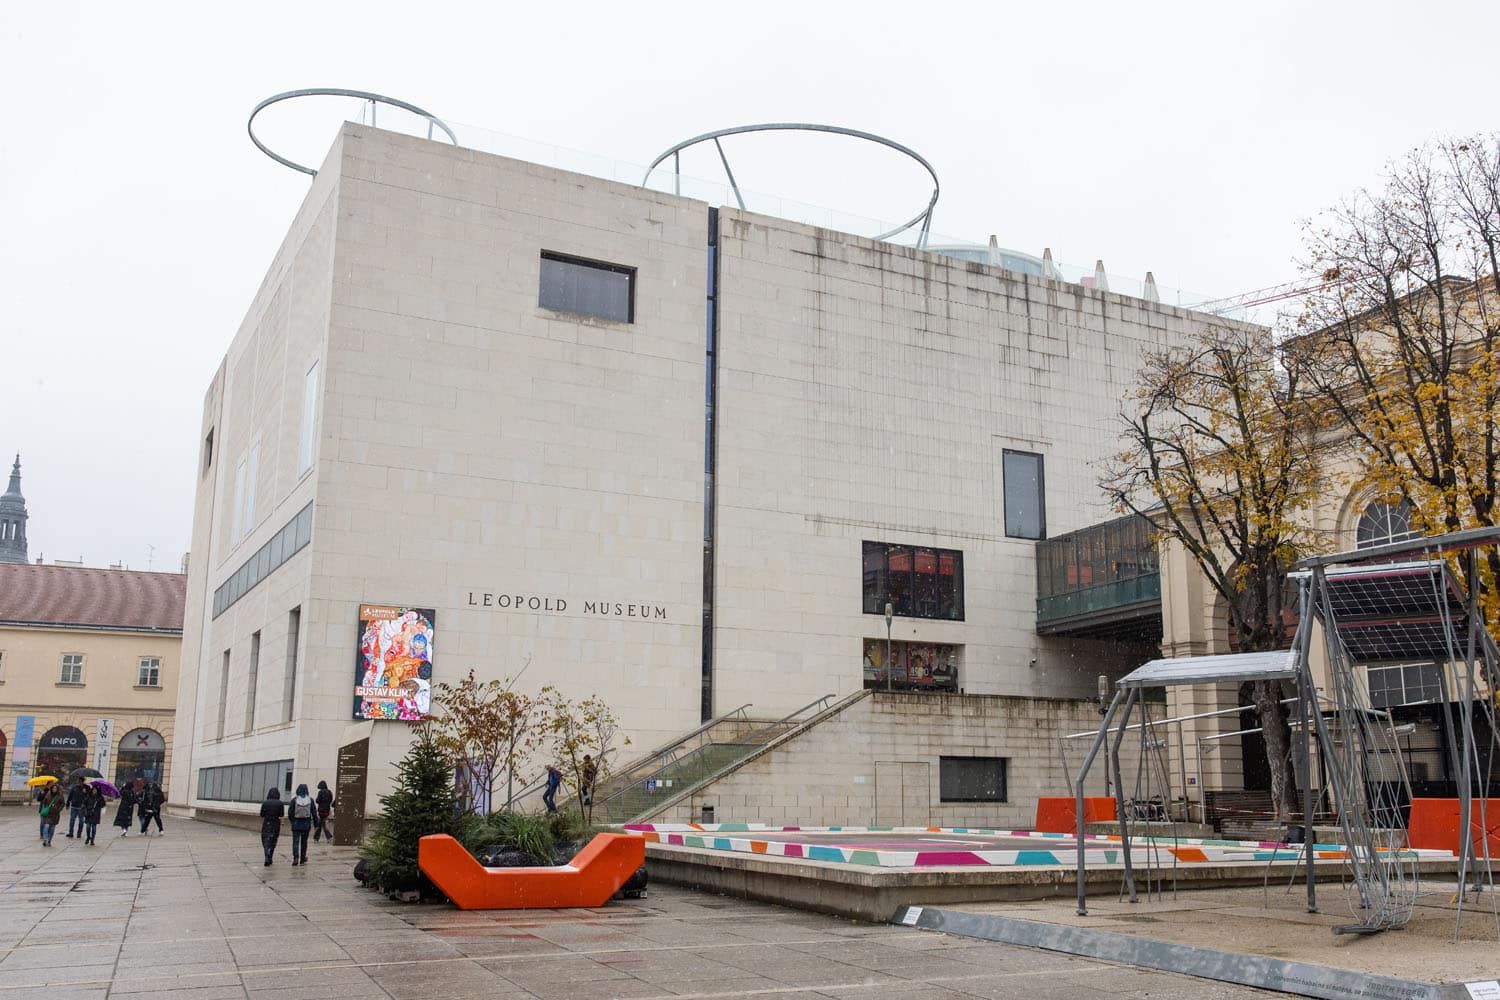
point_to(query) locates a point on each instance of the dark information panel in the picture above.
(349, 814)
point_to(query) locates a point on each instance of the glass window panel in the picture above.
(1025, 508)
(971, 779)
(587, 287)
(874, 583)
(898, 580)
(304, 526)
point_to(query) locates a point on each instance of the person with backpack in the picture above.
(93, 810)
(324, 799)
(151, 803)
(270, 822)
(301, 811)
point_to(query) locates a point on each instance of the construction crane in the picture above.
(1275, 293)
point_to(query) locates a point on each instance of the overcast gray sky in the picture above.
(136, 220)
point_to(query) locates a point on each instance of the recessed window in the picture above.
(309, 418)
(148, 672)
(918, 582)
(242, 782)
(588, 287)
(1404, 684)
(914, 666)
(1383, 523)
(971, 779)
(252, 680)
(208, 452)
(72, 669)
(1025, 495)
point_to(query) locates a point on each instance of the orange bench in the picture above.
(595, 874)
(1060, 815)
(1434, 824)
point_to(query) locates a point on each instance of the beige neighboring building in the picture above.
(88, 672)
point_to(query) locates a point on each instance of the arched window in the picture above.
(60, 750)
(143, 754)
(1382, 523)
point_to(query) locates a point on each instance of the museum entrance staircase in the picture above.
(666, 774)
(660, 778)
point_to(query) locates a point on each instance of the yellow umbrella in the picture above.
(41, 779)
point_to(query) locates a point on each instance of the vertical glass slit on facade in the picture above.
(587, 287)
(918, 582)
(287, 542)
(1025, 495)
(710, 449)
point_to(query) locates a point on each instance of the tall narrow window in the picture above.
(223, 694)
(587, 287)
(208, 451)
(1025, 495)
(237, 509)
(289, 683)
(251, 677)
(309, 418)
(251, 472)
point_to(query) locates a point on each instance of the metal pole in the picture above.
(889, 666)
(1083, 771)
(1182, 769)
(1307, 702)
(1130, 700)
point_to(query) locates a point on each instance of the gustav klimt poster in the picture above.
(393, 668)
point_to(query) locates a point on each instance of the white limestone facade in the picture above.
(537, 477)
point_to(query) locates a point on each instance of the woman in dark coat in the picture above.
(270, 822)
(126, 810)
(93, 810)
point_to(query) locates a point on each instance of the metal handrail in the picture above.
(667, 752)
(819, 704)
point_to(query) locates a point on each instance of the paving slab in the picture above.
(194, 915)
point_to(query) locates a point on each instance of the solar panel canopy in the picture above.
(1279, 664)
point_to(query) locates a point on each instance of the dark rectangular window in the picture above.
(241, 782)
(588, 287)
(287, 542)
(918, 582)
(971, 779)
(1025, 495)
(208, 451)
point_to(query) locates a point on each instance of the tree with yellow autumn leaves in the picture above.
(1395, 356)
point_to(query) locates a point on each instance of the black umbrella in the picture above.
(79, 773)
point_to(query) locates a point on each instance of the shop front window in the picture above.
(915, 666)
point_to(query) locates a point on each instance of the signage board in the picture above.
(393, 662)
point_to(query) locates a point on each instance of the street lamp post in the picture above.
(889, 666)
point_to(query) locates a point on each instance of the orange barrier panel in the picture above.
(1434, 824)
(1060, 815)
(596, 873)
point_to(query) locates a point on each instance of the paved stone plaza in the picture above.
(194, 914)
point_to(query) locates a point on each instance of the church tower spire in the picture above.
(13, 518)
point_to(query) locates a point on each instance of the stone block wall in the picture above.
(879, 762)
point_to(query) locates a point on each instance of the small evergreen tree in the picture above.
(421, 804)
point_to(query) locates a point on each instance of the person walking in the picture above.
(93, 810)
(77, 795)
(49, 810)
(554, 782)
(324, 799)
(586, 785)
(125, 810)
(151, 803)
(301, 811)
(270, 822)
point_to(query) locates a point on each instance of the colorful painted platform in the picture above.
(941, 847)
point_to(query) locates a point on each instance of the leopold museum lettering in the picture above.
(560, 606)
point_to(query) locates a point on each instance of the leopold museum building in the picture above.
(488, 415)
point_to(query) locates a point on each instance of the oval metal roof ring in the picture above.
(924, 216)
(364, 95)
